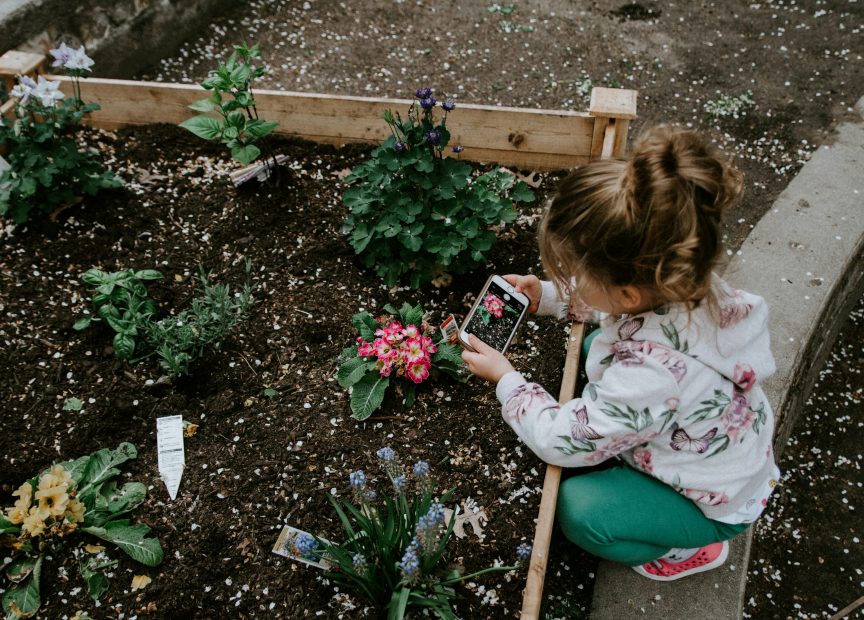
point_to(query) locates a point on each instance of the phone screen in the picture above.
(496, 317)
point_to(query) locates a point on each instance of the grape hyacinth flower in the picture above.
(399, 483)
(357, 479)
(427, 103)
(359, 562)
(449, 105)
(429, 527)
(386, 454)
(433, 137)
(523, 552)
(421, 469)
(410, 564)
(423, 93)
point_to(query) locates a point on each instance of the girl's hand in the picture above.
(529, 286)
(484, 361)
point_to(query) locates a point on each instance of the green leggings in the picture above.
(623, 515)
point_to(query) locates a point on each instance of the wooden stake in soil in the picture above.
(546, 517)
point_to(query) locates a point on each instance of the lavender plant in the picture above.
(395, 543)
(57, 506)
(416, 213)
(48, 169)
(237, 124)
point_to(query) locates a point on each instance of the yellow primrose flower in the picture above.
(75, 510)
(35, 521)
(56, 476)
(17, 513)
(53, 501)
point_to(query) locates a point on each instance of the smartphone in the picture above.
(495, 315)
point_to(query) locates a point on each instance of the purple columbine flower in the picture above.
(421, 469)
(357, 479)
(399, 147)
(386, 454)
(423, 93)
(427, 103)
(523, 552)
(458, 149)
(433, 137)
(449, 105)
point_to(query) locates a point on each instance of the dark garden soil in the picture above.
(256, 462)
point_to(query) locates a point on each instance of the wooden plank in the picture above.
(536, 139)
(622, 128)
(14, 63)
(613, 103)
(598, 136)
(533, 597)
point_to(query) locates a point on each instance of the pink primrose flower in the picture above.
(382, 347)
(410, 331)
(366, 349)
(428, 345)
(418, 371)
(494, 305)
(384, 369)
(412, 350)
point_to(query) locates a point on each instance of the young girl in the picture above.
(673, 371)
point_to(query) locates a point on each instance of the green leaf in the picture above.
(450, 353)
(203, 105)
(73, 404)
(246, 153)
(271, 393)
(6, 526)
(352, 371)
(148, 274)
(204, 126)
(93, 570)
(521, 193)
(94, 276)
(102, 465)
(131, 539)
(124, 346)
(414, 316)
(258, 128)
(82, 323)
(21, 600)
(365, 324)
(368, 394)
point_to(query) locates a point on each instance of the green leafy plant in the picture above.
(121, 300)
(237, 124)
(733, 106)
(414, 212)
(395, 545)
(54, 508)
(399, 348)
(48, 169)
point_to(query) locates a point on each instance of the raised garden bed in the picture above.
(256, 462)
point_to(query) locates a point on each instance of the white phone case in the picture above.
(510, 294)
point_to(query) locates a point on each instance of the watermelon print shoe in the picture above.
(708, 557)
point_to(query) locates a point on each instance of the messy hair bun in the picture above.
(651, 220)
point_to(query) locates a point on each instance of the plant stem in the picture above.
(491, 569)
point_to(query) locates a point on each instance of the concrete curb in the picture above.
(806, 257)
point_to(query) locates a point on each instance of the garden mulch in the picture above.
(256, 462)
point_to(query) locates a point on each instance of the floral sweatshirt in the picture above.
(674, 394)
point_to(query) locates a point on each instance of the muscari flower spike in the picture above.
(421, 469)
(523, 551)
(410, 564)
(386, 454)
(357, 479)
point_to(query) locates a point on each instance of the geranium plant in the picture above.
(47, 168)
(395, 544)
(400, 347)
(54, 508)
(237, 124)
(415, 212)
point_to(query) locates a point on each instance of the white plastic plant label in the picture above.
(172, 455)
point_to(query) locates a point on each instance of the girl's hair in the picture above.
(650, 220)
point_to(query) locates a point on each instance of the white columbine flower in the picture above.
(79, 61)
(61, 55)
(47, 92)
(23, 89)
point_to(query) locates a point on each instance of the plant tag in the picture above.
(172, 456)
(286, 545)
(4, 165)
(450, 330)
(252, 171)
